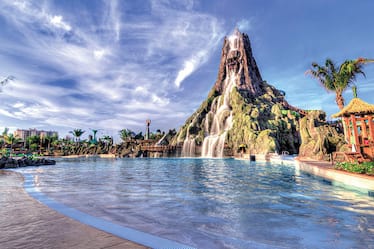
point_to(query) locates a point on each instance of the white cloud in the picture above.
(59, 23)
(115, 19)
(188, 68)
(98, 54)
(190, 37)
(159, 101)
(141, 90)
(114, 84)
(244, 25)
(19, 105)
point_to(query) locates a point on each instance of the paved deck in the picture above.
(26, 223)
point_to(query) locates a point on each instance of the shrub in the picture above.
(363, 168)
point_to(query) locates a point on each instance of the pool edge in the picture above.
(325, 170)
(126, 233)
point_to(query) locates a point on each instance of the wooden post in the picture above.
(347, 130)
(355, 131)
(364, 129)
(371, 127)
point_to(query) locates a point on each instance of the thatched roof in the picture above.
(357, 107)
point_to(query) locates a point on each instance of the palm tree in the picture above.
(2, 136)
(337, 80)
(48, 141)
(56, 143)
(107, 139)
(77, 133)
(11, 140)
(125, 134)
(33, 142)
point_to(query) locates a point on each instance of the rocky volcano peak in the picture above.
(237, 57)
(241, 111)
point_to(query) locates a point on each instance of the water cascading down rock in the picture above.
(242, 112)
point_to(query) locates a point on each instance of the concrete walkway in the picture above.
(26, 223)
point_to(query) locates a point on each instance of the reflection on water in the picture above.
(215, 203)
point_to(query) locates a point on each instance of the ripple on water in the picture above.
(215, 203)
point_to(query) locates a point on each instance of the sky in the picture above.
(110, 65)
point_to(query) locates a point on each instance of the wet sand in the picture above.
(26, 223)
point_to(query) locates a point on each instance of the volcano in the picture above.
(242, 111)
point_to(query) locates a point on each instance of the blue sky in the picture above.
(111, 65)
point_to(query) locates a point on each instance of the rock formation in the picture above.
(8, 162)
(241, 111)
(319, 139)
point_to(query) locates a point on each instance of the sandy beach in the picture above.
(26, 223)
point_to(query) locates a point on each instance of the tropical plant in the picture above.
(56, 143)
(156, 136)
(139, 136)
(33, 147)
(48, 141)
(126, 134)
(107, 140)
(172, 132)
(77, 133)
(362, 168)
(11, 140)
(338, 79)
(5, 132)
(33, 142)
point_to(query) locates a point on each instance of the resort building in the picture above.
(24, 134)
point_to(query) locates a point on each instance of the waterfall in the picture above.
(189, 145)
(214, 141)
(188, 149)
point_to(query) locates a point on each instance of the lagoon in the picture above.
(213, 203)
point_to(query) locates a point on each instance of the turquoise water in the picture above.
(211, 203)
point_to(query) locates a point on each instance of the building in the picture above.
(358, 122)
(24, 134)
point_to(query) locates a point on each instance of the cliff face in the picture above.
(318, 138)
(237, 58)
(241, 112)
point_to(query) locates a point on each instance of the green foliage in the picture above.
(126, 134)
(10, 139)
(33, 140)
(362, 168)
(5, 152)
(183, 132)
(77, 133)
(34, 147)
(139, 136)
(172, 132)
(338, 79)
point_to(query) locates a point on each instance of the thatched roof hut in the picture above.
(358, 122)
(356, 107)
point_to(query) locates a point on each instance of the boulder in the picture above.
(318, 138)
(7, 162)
